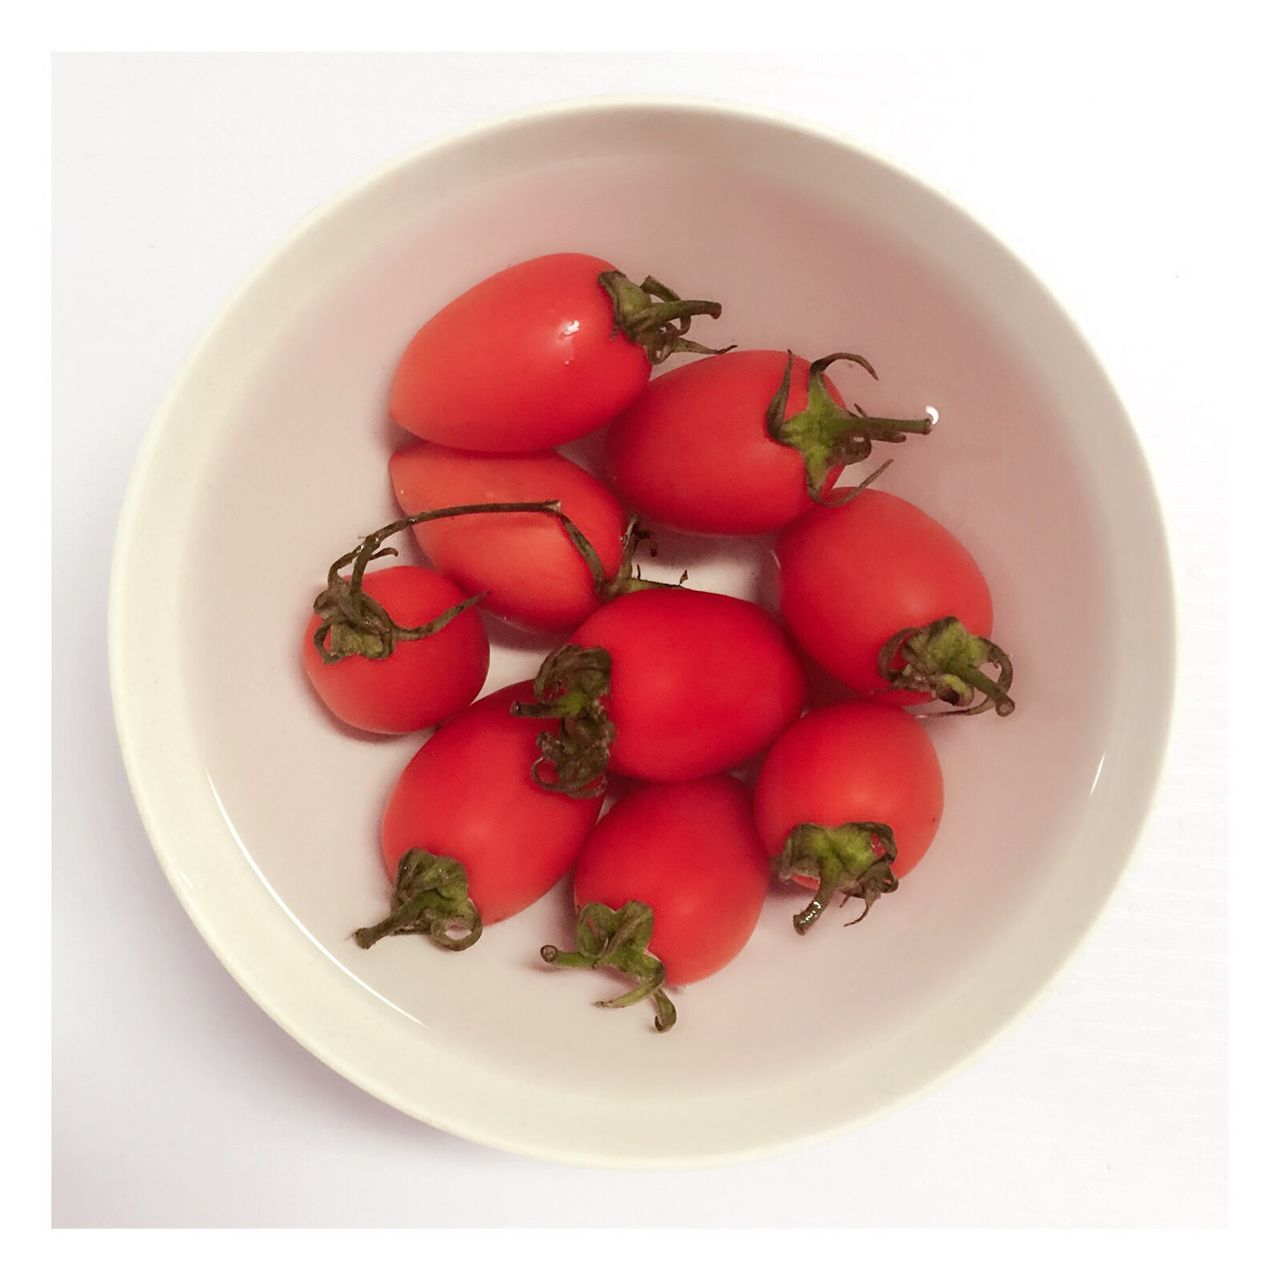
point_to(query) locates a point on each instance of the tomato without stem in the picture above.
(526, 566)
(669, 888)
(666, 685)
(537, 355)
(848, 801)
(740, 444)
(468, 838)
(885, 599)
(421, 681)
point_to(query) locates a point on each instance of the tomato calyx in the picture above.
(354, 624)
(430, 896)
(945, 660)
(570, 687)
(854, 858)
(830, 437)
(656, 318)
(619, 940)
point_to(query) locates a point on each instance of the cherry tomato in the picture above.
(526, 565)
(669, 887)
(739, 444)
(666, 684)
(886, 600)
(468, 838)
(848, 800)
(422, 681)
(537, 355)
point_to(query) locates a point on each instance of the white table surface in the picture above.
(177, 1102)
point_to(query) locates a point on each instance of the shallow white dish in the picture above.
(269, 457)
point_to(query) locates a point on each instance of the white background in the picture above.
(177, 1102)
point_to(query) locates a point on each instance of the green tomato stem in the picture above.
(655, 318)
(430, 896)
(944, 660)
(828, 436)
(854, 858)
(354, 624)
(570, 687)
(619, 940)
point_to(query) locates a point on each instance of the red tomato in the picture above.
(666, 685)
(704, 448)
(423, 681)
(877, 580)
(849, 799)
(539, 354)
(526, 565)
(669, 887)
(491, 840)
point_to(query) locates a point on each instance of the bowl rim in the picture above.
(131, 725)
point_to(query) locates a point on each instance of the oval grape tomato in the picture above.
(421, 681)
(669, 888)
(665, 685)
(468, 838)
(888, 601)
(740, 444)
(537, 355)
(848, 800)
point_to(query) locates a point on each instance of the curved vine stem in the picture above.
(628, 578)
(353, 623)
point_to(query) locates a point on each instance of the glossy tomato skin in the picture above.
(524, 360)
(468, 794)
(530, 572)
(699, 683)
(423, 681)
(853, 762)
(853, 576)
(691, 852)
(693, 450)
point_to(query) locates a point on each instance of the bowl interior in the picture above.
(272, 460)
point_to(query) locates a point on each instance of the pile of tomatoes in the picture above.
(655, 693)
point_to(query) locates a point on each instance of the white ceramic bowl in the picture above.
(268, 457)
